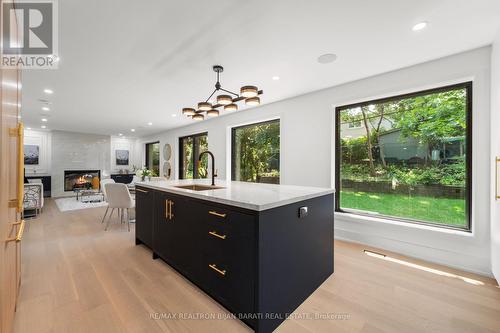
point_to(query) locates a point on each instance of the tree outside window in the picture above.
(256, 152)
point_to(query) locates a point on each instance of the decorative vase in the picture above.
(143, 178)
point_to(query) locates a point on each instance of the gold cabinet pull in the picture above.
(214, 233)
(170, 211)
(220, 271)
(139, 190)
(211, 212)
(20, 232)
(167, 207)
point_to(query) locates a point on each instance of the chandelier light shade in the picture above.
(231, 107)
(249, 91)
(204, 106)
(188, 111)
(226, 99)
(198, 116)
(252, 101)
(212, 113)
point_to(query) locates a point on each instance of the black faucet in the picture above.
(213, 164)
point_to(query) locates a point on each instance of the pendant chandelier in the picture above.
(228, 100)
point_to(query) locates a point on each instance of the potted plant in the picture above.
(143, 173)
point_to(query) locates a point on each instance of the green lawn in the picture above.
(437, 210)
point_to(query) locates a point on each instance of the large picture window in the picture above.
(410, 159)
(256, 152)
(153, 157)
(190, 148)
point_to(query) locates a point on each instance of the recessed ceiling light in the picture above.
(174, 115)
(43, 126)
(120, 134)
(327, 58)
(419, 26)
(132, 130)
(48, 91)
(44, 120)
(276, 78)
(150, 124)
(45, 108)
(28, 128)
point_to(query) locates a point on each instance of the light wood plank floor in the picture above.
(78, 278)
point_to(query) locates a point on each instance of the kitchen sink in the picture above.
(196, 187)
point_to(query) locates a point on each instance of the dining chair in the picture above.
(118, 197)
(103, 189)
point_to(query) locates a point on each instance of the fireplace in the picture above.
(81, 179)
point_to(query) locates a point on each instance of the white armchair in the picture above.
(33, 197)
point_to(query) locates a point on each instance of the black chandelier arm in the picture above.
(235, 100)
(230, 92)
(210, 95)
(216, 106)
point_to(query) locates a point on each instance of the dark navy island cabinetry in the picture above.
(259, 264)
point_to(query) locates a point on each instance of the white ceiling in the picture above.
(126, 63)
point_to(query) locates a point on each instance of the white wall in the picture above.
(121, 143)
(495, 151)
(70, 150)
(77, 151)
(307, 154)
(42, 139)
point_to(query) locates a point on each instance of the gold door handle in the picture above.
(214, 233)
(220, 271)
(211, 212)
(19, 234)
(19, 134)
(142, 191)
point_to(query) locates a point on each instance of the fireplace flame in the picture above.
(81, 180)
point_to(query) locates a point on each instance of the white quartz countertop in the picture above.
(251, 196)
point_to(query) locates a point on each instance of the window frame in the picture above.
(194, 160)
(468, 86)
(233, 148)
(147, 155)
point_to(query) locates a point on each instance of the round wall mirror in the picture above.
(167, 151)
(167, 170)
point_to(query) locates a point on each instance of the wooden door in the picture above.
(11, 167)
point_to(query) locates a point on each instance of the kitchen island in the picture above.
(258, 249)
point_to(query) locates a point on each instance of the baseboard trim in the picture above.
(412, 250)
